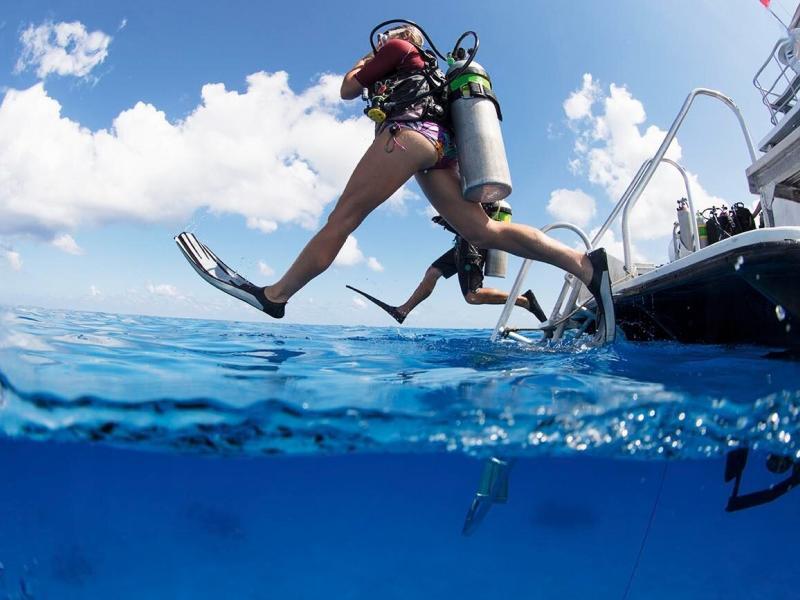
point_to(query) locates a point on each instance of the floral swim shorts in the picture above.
(438, 135)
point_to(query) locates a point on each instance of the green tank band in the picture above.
(468, 78)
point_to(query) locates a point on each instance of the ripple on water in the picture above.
(263, 388)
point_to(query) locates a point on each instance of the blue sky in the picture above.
(189, 120)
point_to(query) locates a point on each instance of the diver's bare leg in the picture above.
(377, 176)
(443, 189)
(493, 296)
(424, 289)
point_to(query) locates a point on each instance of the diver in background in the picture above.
(468, 262)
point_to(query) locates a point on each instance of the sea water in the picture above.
(148, 457)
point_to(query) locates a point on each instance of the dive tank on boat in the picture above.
(497, 260)
(476, 116)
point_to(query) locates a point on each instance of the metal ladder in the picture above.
(625, 205)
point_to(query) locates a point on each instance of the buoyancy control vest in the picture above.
(410, 95)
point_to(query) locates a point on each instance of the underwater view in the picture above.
(178, 458)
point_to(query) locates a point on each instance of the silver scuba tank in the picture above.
(476, 116)
(684, 224)
(497, 260)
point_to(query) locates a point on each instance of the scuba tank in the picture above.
(702, 230)
(497, 260)
(475, 115)
(684, 225)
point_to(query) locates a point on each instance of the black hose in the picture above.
(451, 76)
(407, 22)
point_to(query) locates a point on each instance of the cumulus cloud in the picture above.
(12, 257)
(95, 291)
(265, 269)
(350, 254)
(574, 206)
(66, 243)
(359, 302)
(62, 48)
(163, 289)
(578, 104)
(269, 154)
(612, 141)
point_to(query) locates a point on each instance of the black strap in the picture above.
(477, 90)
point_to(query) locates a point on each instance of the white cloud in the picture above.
(574, 206)
(265, 269)
(373, 264)
(359, 302)
(13, 258)
(123, 24)
(62, 48)
(95, 291)
(163, 289)
(579, 103)
(610, 147)
(66, 243)
(350, 254)
(269, 154)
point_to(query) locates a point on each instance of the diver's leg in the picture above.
(423, 291)
(493, 296)
(377, 176)
(443, 189)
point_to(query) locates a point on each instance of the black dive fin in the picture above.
(534, 306)
(215, 272)
(392, 310)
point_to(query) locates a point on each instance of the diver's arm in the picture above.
(351, 87)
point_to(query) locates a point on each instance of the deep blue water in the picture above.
(167, 458)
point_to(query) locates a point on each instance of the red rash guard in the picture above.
(394, 55)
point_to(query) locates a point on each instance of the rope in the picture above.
(646, 531)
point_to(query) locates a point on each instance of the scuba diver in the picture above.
(468, 262)
(414, 136)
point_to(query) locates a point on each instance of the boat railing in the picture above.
(777, 81)
(627, 201)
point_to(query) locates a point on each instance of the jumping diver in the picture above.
(414, 138)
(468, 262)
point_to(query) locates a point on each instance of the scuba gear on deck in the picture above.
(497, 260)
(475, 114)
(722, 223)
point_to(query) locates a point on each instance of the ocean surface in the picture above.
(149, 457)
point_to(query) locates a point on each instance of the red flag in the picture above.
(765, 3)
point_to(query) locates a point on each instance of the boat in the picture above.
(744, 288)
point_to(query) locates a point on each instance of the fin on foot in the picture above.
(221, 276)
(392, 310)
(600, 288)
(534, 307)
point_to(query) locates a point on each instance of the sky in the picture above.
(123, 124)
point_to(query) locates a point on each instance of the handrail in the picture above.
(523, 271)
(626, 236)
(635, 189)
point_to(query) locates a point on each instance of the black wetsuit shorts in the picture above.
(466, 260)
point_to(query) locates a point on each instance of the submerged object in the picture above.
(492, 489)
(496, 264)
(735, 463)
(475, 114)
(392, 310)
(222, 277)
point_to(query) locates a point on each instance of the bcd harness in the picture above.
(410, 96)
